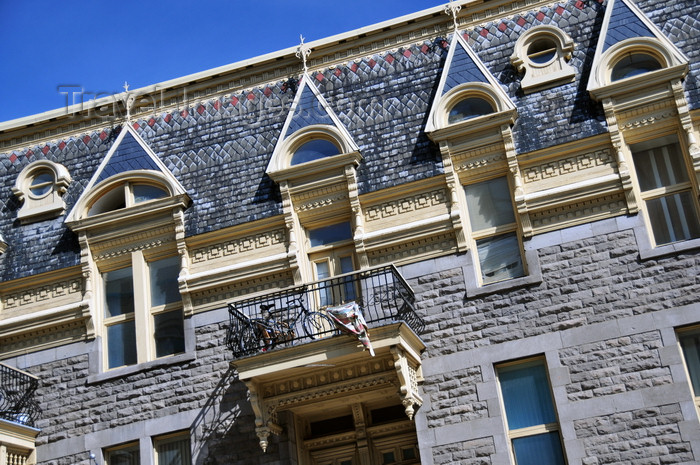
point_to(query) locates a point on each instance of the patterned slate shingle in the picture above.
(624, 24)
(219, 149)
(463, 69)
(128, 156)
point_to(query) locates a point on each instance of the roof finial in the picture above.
(453, 9)
(128, 101)
(303, 52)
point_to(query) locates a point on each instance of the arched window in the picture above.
(634, 64)
(313, 150)
(542, 53)
(126, 194)
(41, 186)
(468, 108)
(542, 50)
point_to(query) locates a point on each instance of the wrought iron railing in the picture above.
(17, 401)
(299, 314)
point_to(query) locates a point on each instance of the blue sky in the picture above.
(46, 46)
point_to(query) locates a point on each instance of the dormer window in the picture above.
(314, 149)
(126, 195)
(543, 53)
(468, 108)
(634, 64)
(41, 186)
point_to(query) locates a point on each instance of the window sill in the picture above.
(646, 252)
(534, 277)
(130, 370)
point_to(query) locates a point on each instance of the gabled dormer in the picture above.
(131, 180)
(314, 163)
(130, 222)
(468, 97)
(632, 53)
(313, 139)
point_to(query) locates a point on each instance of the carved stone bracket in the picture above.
(265, 416)
(687, 124)
(357, 215)
(408, 373)
(622, 167)
(516, 175)
(452, 186)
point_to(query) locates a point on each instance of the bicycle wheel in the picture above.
(249, 342)
(318, 325)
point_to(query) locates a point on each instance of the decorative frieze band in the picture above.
(237, 246)
(603, 207)
(567, 165)
(406, 205)
(52, 291)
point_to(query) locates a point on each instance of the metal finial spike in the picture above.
(453, 9)
(126, 86)
(303, 51)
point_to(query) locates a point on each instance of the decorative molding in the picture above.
(406, 205)
(216, 296)
(420, 248)
(578, 212)
(567, 165)
(51, 291)
(244, 244)
(487, 160)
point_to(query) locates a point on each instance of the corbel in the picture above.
(87, 265)
(290, 223)
(452, 182)
(687, 125)
(516, 176)
(179, 221)
(622, 167)
(408, 379)
(265, 416)
(358, 216)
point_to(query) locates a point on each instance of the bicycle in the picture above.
(263, 334)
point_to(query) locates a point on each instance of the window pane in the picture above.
(127, 456)
(542, 449)
(500, 258)
(164, 287)
(323, 271)
(42, 182)
(119, 292)
(144, 192)
(314, 150)
(659, 166)
(112, 200)
(121, 344)
(348, 287)
(174, 452)
(489, 204)
(169, 333)
(469, 108)
(329, 234)
(526, 395)
(633, 65)
(673, 218)
(691, 352)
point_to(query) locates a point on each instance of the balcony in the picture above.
(18, 412)
(17, 402)
(291, 354)
(297, 315)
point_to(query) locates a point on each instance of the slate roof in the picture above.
(219, 150)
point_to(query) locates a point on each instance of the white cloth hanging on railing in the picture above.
(349, 318)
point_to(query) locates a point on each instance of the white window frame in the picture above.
(688, 186)
(50, 204)
(144, 312)
(491, 232)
